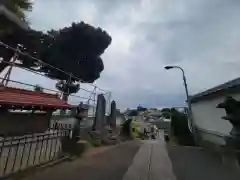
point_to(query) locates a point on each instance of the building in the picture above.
(207, 117)
(26, 112)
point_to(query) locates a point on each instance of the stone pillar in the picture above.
(99, 132)
(100, 119)
(81, 114)
(232, 109)
(112, 118)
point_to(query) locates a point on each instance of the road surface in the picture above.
(143, 160)
(108, 165)
(191, 163)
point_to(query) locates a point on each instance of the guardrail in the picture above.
(20, 153)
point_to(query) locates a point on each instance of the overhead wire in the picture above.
(44, 63)
(38, 73)
(27, 84)
(93, 92)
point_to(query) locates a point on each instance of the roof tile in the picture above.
(27, 98)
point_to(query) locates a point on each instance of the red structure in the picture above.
(24, 111)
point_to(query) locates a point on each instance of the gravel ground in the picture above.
(108, 165)
(195, 164)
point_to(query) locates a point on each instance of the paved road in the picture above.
(151, 163)
(195, 164)
(109, 165)
(117, 163)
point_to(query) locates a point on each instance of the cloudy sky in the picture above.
(201, 36)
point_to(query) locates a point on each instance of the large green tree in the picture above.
(75, 49)
(166, 112)
(179, 126)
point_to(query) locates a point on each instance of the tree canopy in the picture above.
(179, 127)
(75, 49)
(166, 112)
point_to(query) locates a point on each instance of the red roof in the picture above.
(27, 98)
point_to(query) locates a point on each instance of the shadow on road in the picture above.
(196, 164)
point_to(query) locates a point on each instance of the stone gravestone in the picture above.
(80, 114)
(98, 129)
(113, 117)
(232, 109)
(112, 121)
(100, 119)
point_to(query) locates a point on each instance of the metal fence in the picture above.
(20, 153)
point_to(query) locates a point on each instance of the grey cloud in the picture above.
(202, 36)
(147, 99)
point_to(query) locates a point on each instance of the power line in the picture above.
(35, 72)
(39, 60)
(22, 83)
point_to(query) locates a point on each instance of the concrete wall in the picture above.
(210, 136)
(85, 126)
(208, 118)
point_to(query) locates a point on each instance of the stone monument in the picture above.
(232, 109)
(113, 116)
(98, 129)
(100, 119)
(80, 114)
(232, 147)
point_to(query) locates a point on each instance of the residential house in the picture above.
(207, 117)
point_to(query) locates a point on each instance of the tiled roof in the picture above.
(27, 98)
(227, 85)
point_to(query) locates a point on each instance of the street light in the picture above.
(186, 90)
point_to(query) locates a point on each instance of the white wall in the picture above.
(208, 117)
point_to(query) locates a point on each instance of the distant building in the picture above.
(210, 125)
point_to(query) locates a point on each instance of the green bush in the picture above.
(179, 128)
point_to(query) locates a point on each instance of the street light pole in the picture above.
(190, 126)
